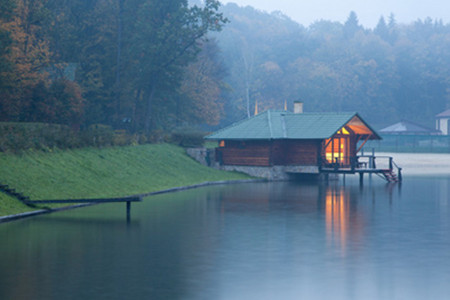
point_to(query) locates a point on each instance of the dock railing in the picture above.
(375, 162)
(382, 165)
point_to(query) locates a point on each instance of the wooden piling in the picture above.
(128, 211)
(128, 201)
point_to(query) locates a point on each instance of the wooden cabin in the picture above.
(281, 138)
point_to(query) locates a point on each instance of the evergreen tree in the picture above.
(392, 27)
(351, 26)
(382, 30)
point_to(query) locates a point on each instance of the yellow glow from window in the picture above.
(336, 217)
(345, 131)
(337, 150)
(358, 127)
(331, 157)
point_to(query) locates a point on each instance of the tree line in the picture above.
(139, 65)
(147, 65)
(388, 73)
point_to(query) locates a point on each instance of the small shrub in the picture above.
(122, 138)
(98, 135)
(158, 136)
(141, 138)
(18, 137)
(187, 138)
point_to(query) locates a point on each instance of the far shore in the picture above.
(421, 163)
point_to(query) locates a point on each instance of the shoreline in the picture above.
(421, 163)
(414, 164)
(95, 173)
(15, 217)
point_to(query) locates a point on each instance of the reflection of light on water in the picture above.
(336, 216)
(343, 225)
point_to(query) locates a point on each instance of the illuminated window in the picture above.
(222, 143)
(345, 131)
(337, 150)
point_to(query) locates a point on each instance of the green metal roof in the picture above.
(287, 125)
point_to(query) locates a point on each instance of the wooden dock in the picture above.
(128, 201)
(367, 164)
(88, 200)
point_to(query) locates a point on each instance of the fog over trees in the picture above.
(392, 72)
(148, 65)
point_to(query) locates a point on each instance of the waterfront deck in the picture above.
(383, 166)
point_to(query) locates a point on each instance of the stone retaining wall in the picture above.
(275, 173)
(203, 155)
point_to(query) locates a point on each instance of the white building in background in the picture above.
(443, 122)
(405, 127)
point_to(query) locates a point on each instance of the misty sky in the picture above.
(307, 11)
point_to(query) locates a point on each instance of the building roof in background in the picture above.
(287, 125)
(407, 127)
(444, 114)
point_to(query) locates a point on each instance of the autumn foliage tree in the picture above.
(6, 66)
(201, 89)
(61, 102)
(31, 94)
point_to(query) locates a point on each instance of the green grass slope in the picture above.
(109, 172)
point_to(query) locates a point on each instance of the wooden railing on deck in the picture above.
(363, 162)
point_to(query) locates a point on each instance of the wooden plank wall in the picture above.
(296, 152)
(268, 153)
(248, 153)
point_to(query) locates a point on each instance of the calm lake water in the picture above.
(247, 241)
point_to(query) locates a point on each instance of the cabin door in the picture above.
(338, 150)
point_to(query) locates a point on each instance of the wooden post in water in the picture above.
(372, 164)
(361, 178)
(128, 211)
(128, 200)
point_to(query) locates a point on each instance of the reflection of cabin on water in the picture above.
(302, 143)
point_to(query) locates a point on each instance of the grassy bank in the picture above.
(91, 172)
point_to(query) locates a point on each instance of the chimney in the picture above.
(298, 107)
